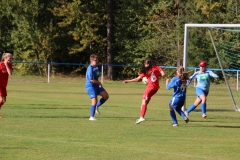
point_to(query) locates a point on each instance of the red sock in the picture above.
(143, 110)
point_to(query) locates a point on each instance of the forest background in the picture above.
(121, 32)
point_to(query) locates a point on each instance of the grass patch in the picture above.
(50, 121)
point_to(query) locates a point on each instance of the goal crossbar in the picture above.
(185, 49)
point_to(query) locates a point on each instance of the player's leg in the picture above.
(193, 106)
(198, 100)
(145, 100)
(173, 116)
(1, 101)
(93, 108)
(178, 107)
(172, 106)
(92, 92)
(103, 93)
(204, 104)
(3, 95)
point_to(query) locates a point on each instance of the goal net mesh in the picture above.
(224, 93)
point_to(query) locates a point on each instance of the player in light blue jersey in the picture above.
(178, 83)
(202, 88)
(94, 87)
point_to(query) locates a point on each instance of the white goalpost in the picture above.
(185, 54)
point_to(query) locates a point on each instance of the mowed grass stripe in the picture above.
(50, 121)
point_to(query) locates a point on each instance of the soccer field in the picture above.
(50, 121)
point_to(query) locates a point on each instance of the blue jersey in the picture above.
(92, 73)
(179, 88)
(203, 79)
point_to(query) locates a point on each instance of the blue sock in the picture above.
(173, 116)
(100, 102)
(180, 112)
(191, 108)
(92, 110)
(204, 106)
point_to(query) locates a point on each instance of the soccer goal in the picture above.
(221, 42)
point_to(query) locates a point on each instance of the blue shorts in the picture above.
(199, 92)
(177, 102)
(93, 92)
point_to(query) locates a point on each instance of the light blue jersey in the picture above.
(203, 79)
(92, 73)
(179, 88)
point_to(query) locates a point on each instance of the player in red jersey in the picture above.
(5, 71)
(152, 72)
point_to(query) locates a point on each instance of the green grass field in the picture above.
(50, 121)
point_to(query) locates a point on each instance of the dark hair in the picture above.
(142, 70)
(150, 63)
(93, 56)
(183, 75)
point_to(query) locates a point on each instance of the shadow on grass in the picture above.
(216, 126)
(219, 126)
(47, 117)
(215, 110)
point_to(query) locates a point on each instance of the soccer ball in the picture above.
(144, 80)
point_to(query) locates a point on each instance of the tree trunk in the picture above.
(110, 56)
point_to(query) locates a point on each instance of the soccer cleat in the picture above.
(140, 120)
(186, 114)
(0, 116)
(97, 111)
(186, 119)
(92, 119)
(204, 116)
(174, 125)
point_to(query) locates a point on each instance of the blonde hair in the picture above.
(5, 55)
(182, 75)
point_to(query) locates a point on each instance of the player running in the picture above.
(5, 71)
(152, 72)
(178, 83)
(202, 88)
(94, 87)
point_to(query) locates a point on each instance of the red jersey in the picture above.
(153, 77)
(4, 74)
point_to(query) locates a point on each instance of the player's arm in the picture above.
(8, 69)
(162, 73)
(211, 73)
(191, 78)
(170, 84)
(95, 82)
(90, 76)
(134, 79)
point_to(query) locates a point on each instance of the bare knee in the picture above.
(2, 99)
(106, 97)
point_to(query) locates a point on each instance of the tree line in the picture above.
(119, 32)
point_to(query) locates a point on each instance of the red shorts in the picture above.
(3, 91)
(148, 93)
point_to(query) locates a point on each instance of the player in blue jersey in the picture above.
(202, 88)
(94, 87)
(178, 83)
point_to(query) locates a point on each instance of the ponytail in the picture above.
(182, 75)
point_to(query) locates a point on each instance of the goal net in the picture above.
(219, 46)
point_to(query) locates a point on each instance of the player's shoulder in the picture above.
(157, 67)
(175, 78)
(208, 71)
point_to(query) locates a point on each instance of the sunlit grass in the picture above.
(50, 121)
